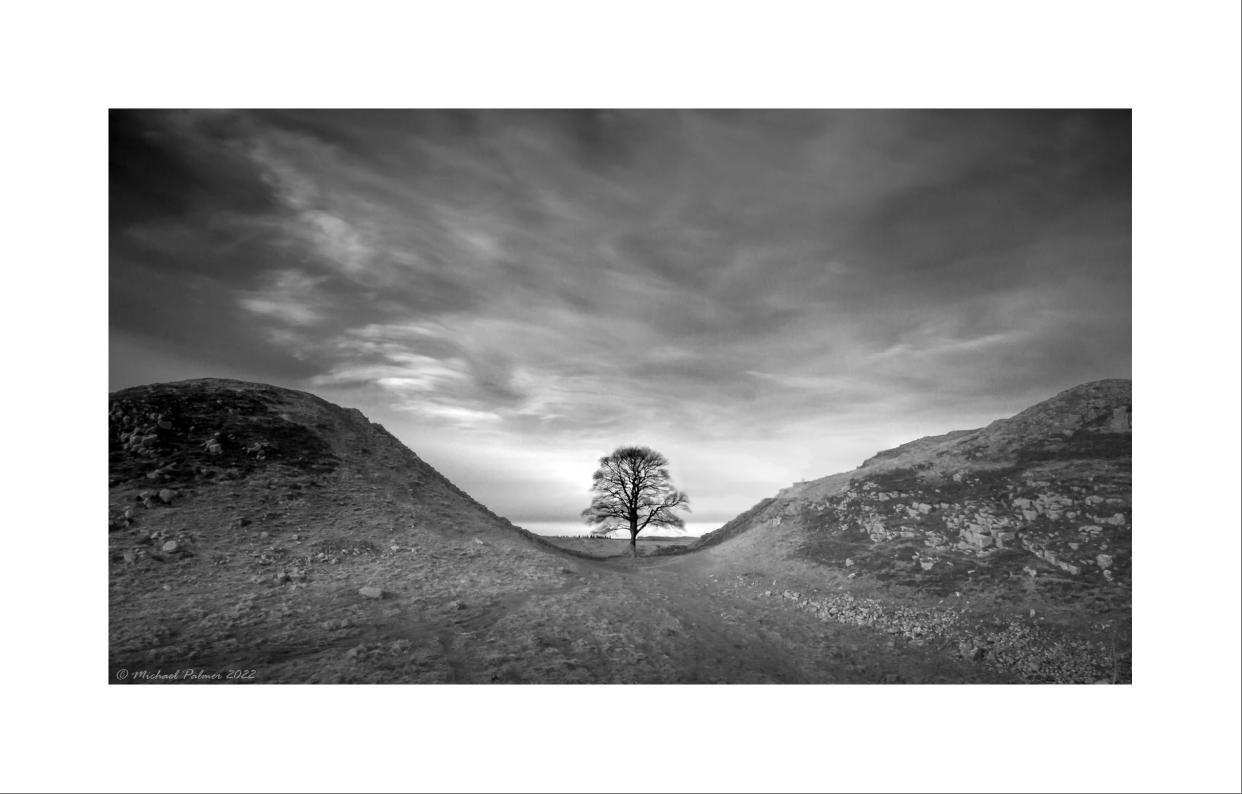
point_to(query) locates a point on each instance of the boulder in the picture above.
(373, 593)
(171, 547)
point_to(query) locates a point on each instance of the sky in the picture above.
(763, 296)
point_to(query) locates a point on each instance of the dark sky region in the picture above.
(762, 296)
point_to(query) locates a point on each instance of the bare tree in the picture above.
(632, 485)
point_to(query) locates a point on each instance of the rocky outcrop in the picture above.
(1047, 490)
(1070, 520)
(1020, 647)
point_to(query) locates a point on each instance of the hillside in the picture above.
(263, 535)
(1030, 515)
(246, 520)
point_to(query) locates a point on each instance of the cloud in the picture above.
(770, 295)
(291, 297)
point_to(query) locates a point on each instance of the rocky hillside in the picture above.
(1047, 490)
(251, 522)
(262, 535)
(1031, 511)
(200, 433)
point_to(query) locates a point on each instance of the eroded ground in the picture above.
(259, 535)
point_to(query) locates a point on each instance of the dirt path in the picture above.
(685, 620)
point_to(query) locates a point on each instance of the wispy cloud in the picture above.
(290, 297)
(770, 295)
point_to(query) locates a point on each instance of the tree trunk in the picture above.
(633, 537)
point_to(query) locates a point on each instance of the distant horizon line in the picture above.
(691, 527)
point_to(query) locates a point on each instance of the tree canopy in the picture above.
(632, 486)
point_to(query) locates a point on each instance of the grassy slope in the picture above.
(272, 551)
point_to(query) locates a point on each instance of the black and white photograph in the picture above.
(620, 396)
(669, 396)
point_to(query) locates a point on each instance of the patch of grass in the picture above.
(901, 479)
(735, 527)
(1081, 445)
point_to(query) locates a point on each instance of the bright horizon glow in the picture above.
(574, 529)
(763, 297)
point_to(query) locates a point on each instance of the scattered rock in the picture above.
(171, 547)
(371, 592)
(166, 495)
